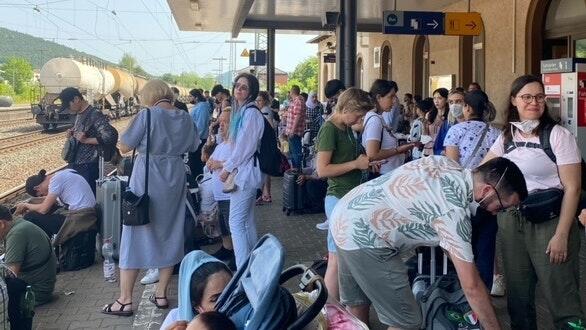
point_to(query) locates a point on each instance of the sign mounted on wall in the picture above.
(432, 23)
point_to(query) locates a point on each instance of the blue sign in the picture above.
(257, 57)
(413, 22)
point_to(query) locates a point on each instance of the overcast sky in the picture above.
(144, 28)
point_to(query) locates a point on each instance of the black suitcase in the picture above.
(292, 193)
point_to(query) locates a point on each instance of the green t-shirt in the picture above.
(343, 146)
(29, 246)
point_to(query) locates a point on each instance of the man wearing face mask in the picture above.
(427, 202)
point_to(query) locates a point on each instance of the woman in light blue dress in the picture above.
(158, 244)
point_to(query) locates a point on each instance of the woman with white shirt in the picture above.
(379, 144)
(246, 129)
(540, 244)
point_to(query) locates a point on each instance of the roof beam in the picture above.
(241, 14)
(252, 23)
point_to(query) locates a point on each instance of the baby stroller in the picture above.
(255, 299)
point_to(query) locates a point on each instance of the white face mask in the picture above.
(526, 126)
(456, 110)
(474, 205)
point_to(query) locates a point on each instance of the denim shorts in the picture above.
(329, 204)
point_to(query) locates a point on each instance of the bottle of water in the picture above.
(28, 307)
(109, 264)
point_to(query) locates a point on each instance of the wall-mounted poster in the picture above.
(376, 60)
(445, 81)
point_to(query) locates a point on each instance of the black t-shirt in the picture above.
(180, 105)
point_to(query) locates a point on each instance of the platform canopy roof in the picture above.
(298, 16)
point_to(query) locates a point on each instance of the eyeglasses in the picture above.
(241, 87)
(528, 98)
(498, 197)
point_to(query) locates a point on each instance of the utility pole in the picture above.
(233, 55)
(220, 63)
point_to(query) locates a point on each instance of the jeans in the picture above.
(89, 171)
(242, 223)
(484, 230)
(329, 204)
(526, 263)
(50, 223)
(16, 289)
(295, 151)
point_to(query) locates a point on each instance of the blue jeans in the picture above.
(242, 223)
(484, 230)
(329, 204)
(295, 151)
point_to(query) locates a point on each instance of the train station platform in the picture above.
(80, 295)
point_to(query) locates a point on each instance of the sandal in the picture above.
(267, 199)
(120, 312)
(259, 201)
(153, 299)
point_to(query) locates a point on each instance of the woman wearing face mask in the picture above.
(540, 246)
(467, 143)
(380, 145)
(455, 115)
(339, 161)
(436, 117)
(246, 128)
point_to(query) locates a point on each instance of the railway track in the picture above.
(10, 122)
(14, 143)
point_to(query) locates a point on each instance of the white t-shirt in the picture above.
(221, 153)
(72, 189)
(372, 132)
(539, 171)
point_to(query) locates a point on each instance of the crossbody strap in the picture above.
(471, 156)
(148, 143)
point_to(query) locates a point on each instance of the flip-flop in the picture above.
(153, 299)
(121, 312)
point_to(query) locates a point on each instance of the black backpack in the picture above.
(545, 145)
(269, 157)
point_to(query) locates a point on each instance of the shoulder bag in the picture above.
(135, 209)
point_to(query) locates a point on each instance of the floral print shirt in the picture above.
(422, 203)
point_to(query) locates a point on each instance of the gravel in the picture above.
(19, 165)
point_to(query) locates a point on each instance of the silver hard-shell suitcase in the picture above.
(108, 197)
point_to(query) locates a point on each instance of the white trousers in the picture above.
(243, 223)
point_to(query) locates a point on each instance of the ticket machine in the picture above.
(565, 88)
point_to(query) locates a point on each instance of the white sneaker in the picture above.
(322, 226)
(152, 276)
(498, 286)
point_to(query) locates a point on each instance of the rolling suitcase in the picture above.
(108, 197)
(292, 193)
(441, 299)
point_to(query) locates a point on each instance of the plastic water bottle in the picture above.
(418, 289)
(109, 264)
(28, 307)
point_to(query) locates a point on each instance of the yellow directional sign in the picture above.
(463, 24)
(245, 53)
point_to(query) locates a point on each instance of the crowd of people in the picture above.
(390, 175)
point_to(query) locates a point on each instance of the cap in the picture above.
(33, 181)
(67, 95)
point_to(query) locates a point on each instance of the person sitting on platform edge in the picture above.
(62, 187)
(31, 259)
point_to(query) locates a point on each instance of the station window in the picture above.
(359, 73)
(478, 58)
(565, 29)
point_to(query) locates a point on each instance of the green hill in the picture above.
(35, 50)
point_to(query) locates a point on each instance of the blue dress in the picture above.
(160, 243)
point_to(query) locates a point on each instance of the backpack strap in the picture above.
(544, 143)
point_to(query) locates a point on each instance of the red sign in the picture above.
(582, 99)
(552, 83)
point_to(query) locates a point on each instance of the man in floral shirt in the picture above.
(427, 202)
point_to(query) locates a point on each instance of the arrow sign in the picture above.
(463, 24)
(413, 22)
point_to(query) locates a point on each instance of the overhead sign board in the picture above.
(463, 24)
(560, 65)
(413, 22)
(330, 58)
(257, 57)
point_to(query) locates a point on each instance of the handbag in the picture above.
(70, 149)
(135, 209)
(542, 205)
(230, 184)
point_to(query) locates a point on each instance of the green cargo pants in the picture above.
(525, 263)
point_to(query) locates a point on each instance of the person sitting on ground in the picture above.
(31, 259)
(202, 278)
(65, 187)
(426, 202)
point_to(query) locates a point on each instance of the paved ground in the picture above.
(88, 292)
